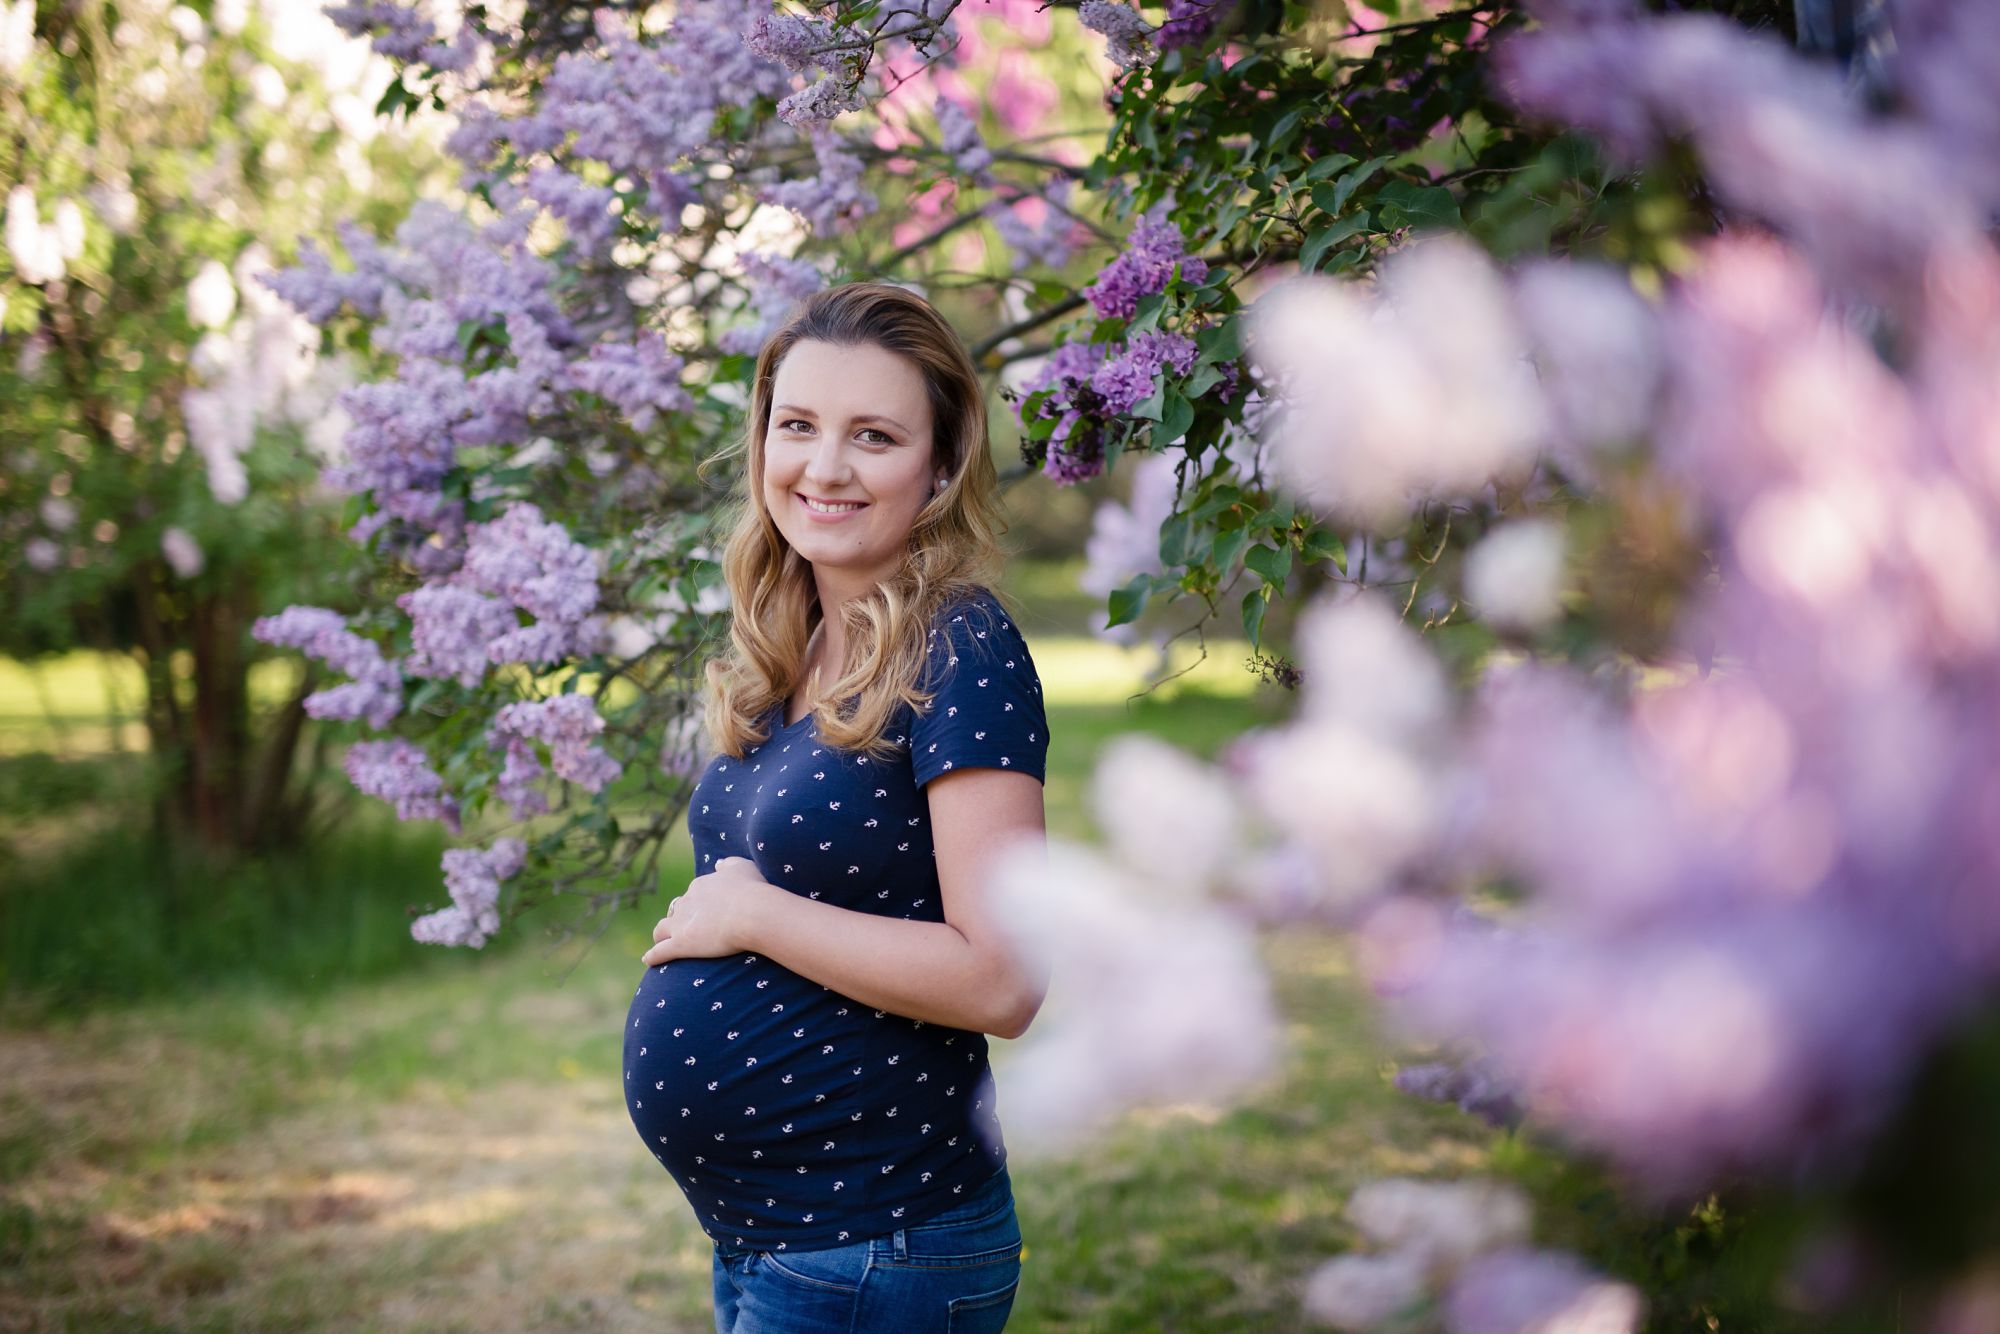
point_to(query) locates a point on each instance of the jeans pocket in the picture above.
(985, 1312)
(836, 1268)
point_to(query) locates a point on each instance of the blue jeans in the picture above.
(952, 1274)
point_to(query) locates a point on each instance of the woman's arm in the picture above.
(959, 972)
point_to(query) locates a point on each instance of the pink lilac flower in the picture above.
(473, 877)
(375, 694)
(568, 725)
(1145, 266)
(399, 772)
(1516, 1288)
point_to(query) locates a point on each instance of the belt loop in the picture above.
(901, 1243)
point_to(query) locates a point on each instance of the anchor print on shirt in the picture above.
(970, 720)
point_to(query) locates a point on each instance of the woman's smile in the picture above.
(829, 512)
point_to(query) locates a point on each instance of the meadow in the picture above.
(258, 1105)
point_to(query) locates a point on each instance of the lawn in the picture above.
(445, 1147)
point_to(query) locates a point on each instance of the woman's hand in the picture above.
(715, 916)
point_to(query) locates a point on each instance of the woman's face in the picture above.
(848, 424)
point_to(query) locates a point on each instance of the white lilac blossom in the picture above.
(1513, 575)
(1172, 820)
(211, 297)
(1423, 390)
(36, 248)
(183, 553)
(473, 877)
(376, 691)
(1356, 779)
(1150, 1002)
(399, 772)
(1125, 537)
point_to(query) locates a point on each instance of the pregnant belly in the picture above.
(731, 1063)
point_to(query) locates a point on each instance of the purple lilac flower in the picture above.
(1514, 1288)
(1144, 267)
(538, 567)
(1125, 381)
(376, 692)
(1050, 244)
(398, 771)
(777, 284)
(963, 142)
(833, 197)
(473, 877)
(1124, 31)
(585, 209)
(520, 779)
(451, 630)
(1189, 22)
(567, 724)
(641, 378)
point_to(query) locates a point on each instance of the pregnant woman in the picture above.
(806, 1053)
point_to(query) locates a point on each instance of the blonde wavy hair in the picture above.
(953, 548)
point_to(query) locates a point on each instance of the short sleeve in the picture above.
(986, 712)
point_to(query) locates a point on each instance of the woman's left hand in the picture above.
(712, 917)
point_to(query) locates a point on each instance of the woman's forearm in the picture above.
(923, 970)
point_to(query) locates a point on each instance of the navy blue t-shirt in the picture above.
(792, 1116)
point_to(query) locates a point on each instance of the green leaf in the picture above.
(1174, 540)
(1147, 316)
(1271, 563)
(1253, 616)
(1344, 188)
(1150, 407)
(1221, 342)
(1176, 415)
(1129, 601)
(1325, 238)
(1229, 544)
(1324, 167)
(1405, 205)
(1204, 379)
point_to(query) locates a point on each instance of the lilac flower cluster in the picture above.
(376, 691)
(403, 34)
(834, 196)
(963, 142)
(568, 725)
(1125, 33)
(1748, 917)
(1130, 377)
(640, 378)
(535, 565)
(1145, 266)
(1189, 22)
(398, 771)
(777, 283)
(473, 877)
(1051, 243)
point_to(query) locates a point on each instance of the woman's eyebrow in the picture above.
(860, 417)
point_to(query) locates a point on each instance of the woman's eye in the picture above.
(794, 425)
(883, 437)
